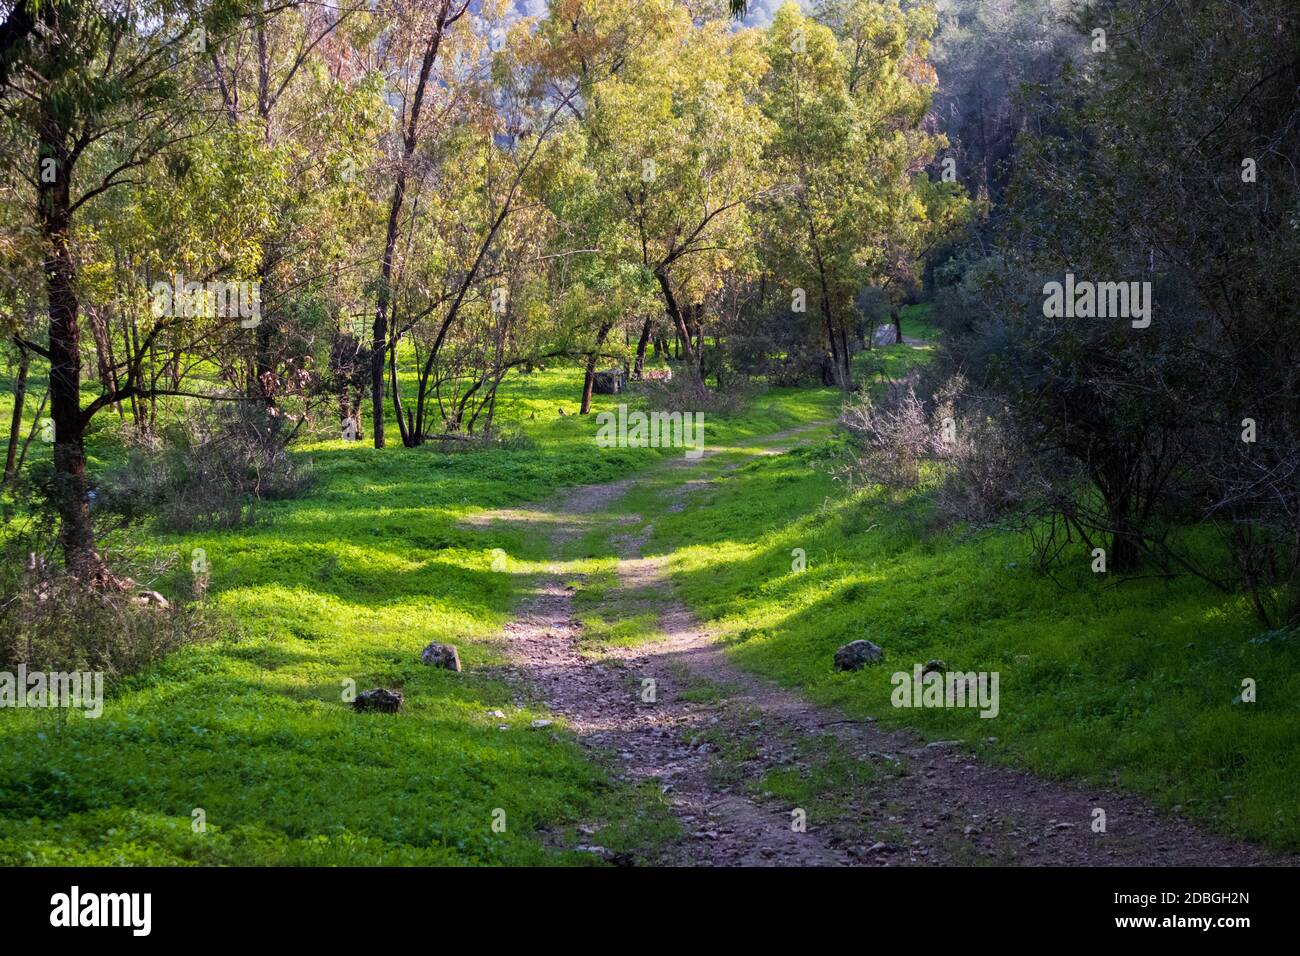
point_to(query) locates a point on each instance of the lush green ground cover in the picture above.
(1130, 683)
(915, 321)
(1134, 683)
(347, 584)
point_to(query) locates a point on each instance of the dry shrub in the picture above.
(51, 621)
(987, 474)
(981, 470)
(892, 436)
(209, 470)
(681, 394)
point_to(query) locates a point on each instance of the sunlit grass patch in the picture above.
(1130, 684)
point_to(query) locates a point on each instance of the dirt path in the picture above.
(678, 713)
(885, 335)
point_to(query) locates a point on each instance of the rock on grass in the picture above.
(441, 655)
(378, 699)
(855, 654)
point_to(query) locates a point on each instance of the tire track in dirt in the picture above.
(659, 740)
(920, 804)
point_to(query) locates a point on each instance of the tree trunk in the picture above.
(1113, 477)
(830, 335)
(639, 369)
(589, 382)
(839, 362)
(898, 327)
(131, 335)
(31, 434)
(263, 364)
(1125, 555)
(847, 356)
(380, 337)
(16, 423)
(679, 322)
(76, 534)
(99, 329)
(407, 427)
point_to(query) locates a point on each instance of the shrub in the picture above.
(982, 471)
(892, 436)
(51, 621)
(680, 394)
(208, 470)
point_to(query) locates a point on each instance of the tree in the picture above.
(675, 140)
(415, 52)
(270, 82)
(96, 92)
(855, 208)
(1158, 163)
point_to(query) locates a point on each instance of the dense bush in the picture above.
(51, 621)
(1142, 424)
(989, 473)
(208, 469)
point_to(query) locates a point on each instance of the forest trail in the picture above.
(885, 335)
(676, 712)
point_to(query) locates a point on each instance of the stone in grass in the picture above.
(855, 654)
(934, 665)
(609, 856)
(441, 655)
(379, 699)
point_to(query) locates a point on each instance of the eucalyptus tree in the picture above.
(294, 88)
(412, 45)
(675, 140)
(484, 226)
(854, 207)
(94, 91)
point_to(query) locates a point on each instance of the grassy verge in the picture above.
(914, 320)
(251, 735)
(1131, 683)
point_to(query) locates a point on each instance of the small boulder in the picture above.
(934, 665)
(379, 699)
(855, 654)
(608, 382)
(441, 655)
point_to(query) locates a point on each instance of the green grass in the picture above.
(1130, 684)
(823, 781)
(875, 366)
(915, 321)
(347, 585)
